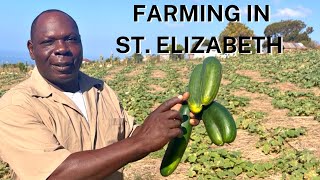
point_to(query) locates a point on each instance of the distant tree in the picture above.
(236, 29)
(205, 43)
(101, 58)
(175, 56)
(22, 67)
(117, 58)
(137, 58)
(290, 31)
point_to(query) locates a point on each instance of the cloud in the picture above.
(299, 12)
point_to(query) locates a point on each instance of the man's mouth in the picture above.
(63, 67)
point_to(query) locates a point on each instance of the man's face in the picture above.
(56, 47)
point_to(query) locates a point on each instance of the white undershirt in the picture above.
(77, 98)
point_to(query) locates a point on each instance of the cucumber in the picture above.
(194, 100)
(211, 77)
(177, 146)
(219, 123)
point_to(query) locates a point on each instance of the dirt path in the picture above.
(254, 75)
(148, 169)
(278, 117)
(112, 73)
(246, 144)
(284, 86)
(288, 86)
(158, 74)
(8, 85)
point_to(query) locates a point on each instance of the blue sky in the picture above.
(102, 22)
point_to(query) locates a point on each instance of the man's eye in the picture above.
(74, 39)
(47, 42)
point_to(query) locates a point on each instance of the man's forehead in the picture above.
(53, 20)
(51, 17)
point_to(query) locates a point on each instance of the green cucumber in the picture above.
(194, 100)
(211, 77)
(177, 146)
(219, 123)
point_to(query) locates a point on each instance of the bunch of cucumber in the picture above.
(203, 87)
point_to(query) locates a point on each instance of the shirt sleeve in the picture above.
(29, 147)
(130, 124)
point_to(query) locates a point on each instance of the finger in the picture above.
(176, 132)
(170, 103)
(172, 114)
(192, 116)
(185, 96)
(173, 124)
(176, 107)
(194, 122)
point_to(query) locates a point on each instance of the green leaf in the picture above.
(268, 166)
(192, 173)
(227, 164)
(291, 133)
(250, 174)
(237, 170)
(221, 174)
(192, 158)
(259, 167)
(266, 149)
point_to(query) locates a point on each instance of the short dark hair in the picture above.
(34, 22)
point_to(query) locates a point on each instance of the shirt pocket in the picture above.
(112, 129)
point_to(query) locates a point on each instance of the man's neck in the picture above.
(72, 86)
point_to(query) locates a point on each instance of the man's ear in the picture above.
(30, 48)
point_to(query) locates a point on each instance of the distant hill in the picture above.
(10, 57)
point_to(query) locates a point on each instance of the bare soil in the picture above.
(316, 91)
(158, 74)
(133, 73)
(109, 77)
(184, 71)
(225, 82)
(148, 169)
(246, 144)
(254, 75)
(288, 86)
(156, 88)
(115, 69)
(278, 118)
(285, 86)
(112, 72)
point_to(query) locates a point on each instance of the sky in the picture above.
(102, 22)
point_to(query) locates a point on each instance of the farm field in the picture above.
(275, 100)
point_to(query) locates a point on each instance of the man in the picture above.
(46, 135)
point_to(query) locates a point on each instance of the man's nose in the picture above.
(61, 48)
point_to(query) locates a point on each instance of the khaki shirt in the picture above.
(40, 126)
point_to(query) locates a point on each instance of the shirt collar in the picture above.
(87, 82)
(42, 88)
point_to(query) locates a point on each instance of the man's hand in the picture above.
(163, 124)
(193, 119)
